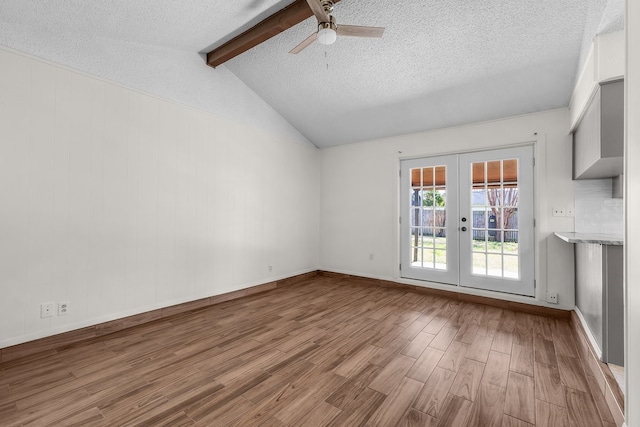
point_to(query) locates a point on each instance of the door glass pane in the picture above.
(440, 195)
(441, 176)
(415, 178)
(494, 196)
(510, 196)
(427, 239)
(415, 218)
(477, 172)
(493, 171)
(494, 204)
(494, 246)
(479, 263)
(510, 242)
(428, 258)
(511, 269)
(416, 243)
(427, 177)
(440, 259)
(417, 257)
(510, 170)
(480, 220)
(494, 265)
(479, 196)
(427, 216)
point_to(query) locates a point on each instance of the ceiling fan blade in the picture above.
(306, 42)
(358, 31)
(318, 10)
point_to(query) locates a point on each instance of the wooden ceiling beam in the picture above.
(280, 21)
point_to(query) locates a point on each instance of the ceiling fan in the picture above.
(328, 30)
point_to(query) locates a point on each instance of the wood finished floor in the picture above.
(325, 352)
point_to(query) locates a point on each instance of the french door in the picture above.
(467, 220)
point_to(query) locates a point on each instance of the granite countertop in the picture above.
(603, 239)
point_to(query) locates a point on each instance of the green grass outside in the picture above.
(494, 249)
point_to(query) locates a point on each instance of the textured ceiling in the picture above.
(440, 62)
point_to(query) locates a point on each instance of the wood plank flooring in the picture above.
(326, 352)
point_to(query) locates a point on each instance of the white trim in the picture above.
(524, 143)
(540, 205)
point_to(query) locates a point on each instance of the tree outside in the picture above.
(503, 203)
(436, 199)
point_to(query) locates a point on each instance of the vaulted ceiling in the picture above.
(440, 63)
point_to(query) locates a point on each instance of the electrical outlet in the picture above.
(569, 211)
(371, 256)
(47, 309)
(270, 267)
(63, 308)
(552, 297)
(558, 212)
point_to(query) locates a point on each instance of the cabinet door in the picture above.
(612, 120)
(586, 139)
(589, 282)
(598, 142)
(613, 340)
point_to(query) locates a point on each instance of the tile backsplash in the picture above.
(596, 211)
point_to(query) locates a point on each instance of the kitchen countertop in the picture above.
(602, 239)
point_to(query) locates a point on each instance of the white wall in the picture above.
(121, 202)
(360, 193)
(178, 75)
(632, 215)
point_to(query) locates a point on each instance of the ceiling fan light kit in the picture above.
(326, 34)
(328, 31)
